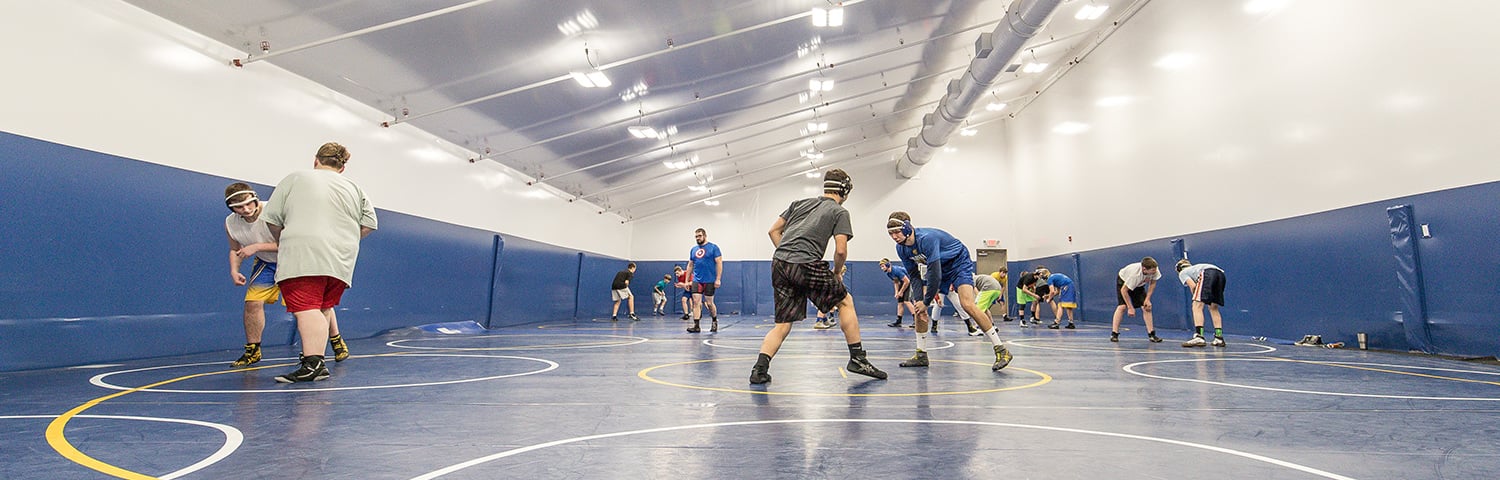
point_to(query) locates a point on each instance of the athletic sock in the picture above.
(1198, 330)
(993, 334)
(763, 361)
(856, 350)
(1218, 333)
(921, 341)
(898, 319)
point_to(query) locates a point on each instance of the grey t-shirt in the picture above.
(810, 222)
(320, 213)
(985, 283)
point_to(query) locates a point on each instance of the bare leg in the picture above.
(1213, 310)
(773, 340)
(1198, 314)
(966, 295)
(697, 306)
(849, 320)
(1150, 325)
(713, 310)
(1114, 325)
(255, 321)
(630, 299)
(312, 325)
(615, 310)
(333, 322)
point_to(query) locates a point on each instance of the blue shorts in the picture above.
(961, 273)
(1068, 297)
(262, 283)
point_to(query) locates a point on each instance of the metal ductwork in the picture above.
(992, 53)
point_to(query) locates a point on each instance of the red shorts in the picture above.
(311, 293)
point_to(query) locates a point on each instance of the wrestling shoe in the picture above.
(918, 360)
(1054, 326)
(713, 327)
(1114, 337)
(820, 325)
(252, 355)
(1154, 339)
(863, 367)
(1070, 326)
(895, 324)
(634, 318)
(340, 349)
(1197, 341)
(759, 376)
(312, 369)
(1218, 341)
(694, 328)
(1002, 358)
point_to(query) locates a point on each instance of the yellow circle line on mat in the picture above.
(519, 347)
(59, 441)
(646, 375)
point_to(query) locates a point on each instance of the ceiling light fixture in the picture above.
(1034, 67)
(593, 78)
(968, 132)
(817, 127)
(828, 17)
(1091, 12)
(820, 84)
(995, 106)
(642, 131)
(814, 173)
(711, 203)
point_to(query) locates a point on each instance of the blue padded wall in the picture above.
(108, 258)
(1331, 273)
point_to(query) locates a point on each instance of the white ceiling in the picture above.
(730, 76)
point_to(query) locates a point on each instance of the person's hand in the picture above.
(1130, 311)
(239, 279)
(716, 284)
(1146, 305)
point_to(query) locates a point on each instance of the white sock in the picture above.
(921, 341)
(994, 335)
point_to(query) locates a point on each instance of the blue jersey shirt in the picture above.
(702, 257)
(897, 273)
(934, 245)
(1059, 280)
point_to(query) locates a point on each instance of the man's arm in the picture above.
(234, 259)
(718, 270)
(901, 285)
(777, 229)
(840, 253)
(1125, 294)
(1150, 288)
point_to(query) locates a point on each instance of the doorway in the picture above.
(990, 260)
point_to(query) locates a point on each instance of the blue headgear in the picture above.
(906, 228)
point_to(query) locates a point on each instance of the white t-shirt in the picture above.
(251, 232)
(1195, 272)
(1133, 278)
(320, 213)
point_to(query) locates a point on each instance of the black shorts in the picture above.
(1210, 287)
(707, 289)
(1042, 289)
(906, 295)
(797, 283)
(1137, 296)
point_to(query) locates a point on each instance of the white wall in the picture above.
(105, 76)
(958, 192)
(1315, 106)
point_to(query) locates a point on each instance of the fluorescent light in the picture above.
(828, 17)
(812, 154)
(820, 84)
(968, 132)
(641, 131)
(698, 188)
(814, 174)
(815, 127)
(1091, 12)
(711, 203)
(591, 79)
(995, 106)
(1175, 61)
(582, 79)
(1034, 67)
(599, 79)
(949, 149)
(1070, 128)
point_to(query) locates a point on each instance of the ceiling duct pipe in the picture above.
(992, 52)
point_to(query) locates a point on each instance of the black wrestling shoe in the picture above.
(312, 369)
(918, 360)
(863, 367)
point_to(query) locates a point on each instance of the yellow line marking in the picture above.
(1397, 372)
(842, 372)
(520, 347)
(57, 438)
(646, 375)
